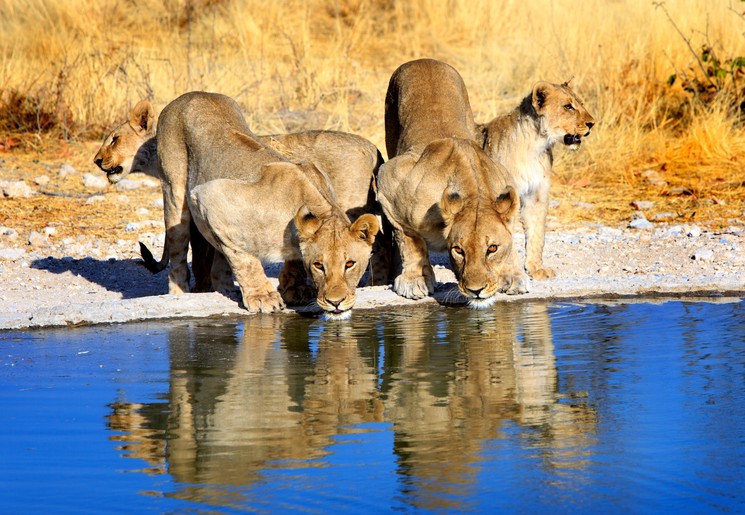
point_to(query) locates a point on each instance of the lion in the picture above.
(351, 162)
(440, 190)
(522, 142)
(253, 205)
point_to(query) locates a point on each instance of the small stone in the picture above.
(131, 227)
(642, 205)
(95, 199)
(66, 170)
(693, 231)
(49, 231)
(18, 189)
(703, 254)
(94, 182)
(36, 239)
(12, 254)
(640, 223)
(128, 185)
(41, 180)
(9, 233)
(158, 202)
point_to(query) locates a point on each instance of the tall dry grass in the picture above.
(75, 68)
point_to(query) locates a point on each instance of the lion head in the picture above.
(478, 232)
(335, 254)
(562, 115)
(129, 147)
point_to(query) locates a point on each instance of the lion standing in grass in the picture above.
(521, 141)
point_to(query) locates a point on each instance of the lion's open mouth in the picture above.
(572, 139)
(114, 174)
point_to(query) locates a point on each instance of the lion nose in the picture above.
(475, 292)
(335, 302)
(589, 125)
(99, 162)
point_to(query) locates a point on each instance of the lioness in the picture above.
(521, 141)
(252, 204)
(350, 161)
(442, 192)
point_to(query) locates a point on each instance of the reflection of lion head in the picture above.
(335, 255)
(130, 147)
(561, 113)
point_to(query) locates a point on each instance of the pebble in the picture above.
(640, 223)
(12, 254)
(693, 231)
(18, 189)
(703, 254)
(66, 170)
(642, 205)
(128, 185)
(42, 180)
(94, 182)
(36, 239)
(11, 234)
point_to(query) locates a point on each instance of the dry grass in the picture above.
(72, 69)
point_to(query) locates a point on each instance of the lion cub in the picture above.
(521, 141)
(441, 191)
(252, 205)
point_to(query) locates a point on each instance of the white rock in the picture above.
(42, 180)
(18, 189)
(703, 254)
(128, 185)
(66, 170)
(36, 239)
(693, 231)
(642, 205)
(94, 182)
(640, 223)
(12, 254)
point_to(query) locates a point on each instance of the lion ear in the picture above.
(540, 94)
(451, 203)
(568, 84)
(366, 226)
(142, 116)
(306, 222)
(507, 203)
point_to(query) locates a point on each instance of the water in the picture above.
(524, 408)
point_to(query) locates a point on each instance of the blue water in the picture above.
(524, 408)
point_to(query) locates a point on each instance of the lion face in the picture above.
(336, 254)
(124, 149)
(562, 115)
(479, 239)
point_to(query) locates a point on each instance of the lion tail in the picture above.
(149, 261)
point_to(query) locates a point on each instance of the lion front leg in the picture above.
(293, 284)
(259, 296)
(533, 214)
(417, 279)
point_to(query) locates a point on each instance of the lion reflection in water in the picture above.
(280, 393)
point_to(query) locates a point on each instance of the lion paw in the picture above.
(299, 294)
(414, 287)
(516, 284)
(263, 302)
(541, 274)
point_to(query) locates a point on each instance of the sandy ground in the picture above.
(91, 281)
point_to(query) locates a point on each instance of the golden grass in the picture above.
(75, 68)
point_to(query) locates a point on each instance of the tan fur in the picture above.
(251, 204)
(350, 161)
(522, 141)
(441, 191)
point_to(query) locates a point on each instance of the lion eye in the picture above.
(491, 249)
(349, 264)
(569, 107)
(457, 250)
(114, 140)
(318, 265)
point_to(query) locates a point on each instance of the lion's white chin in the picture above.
(482, 303)
(342, 315)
